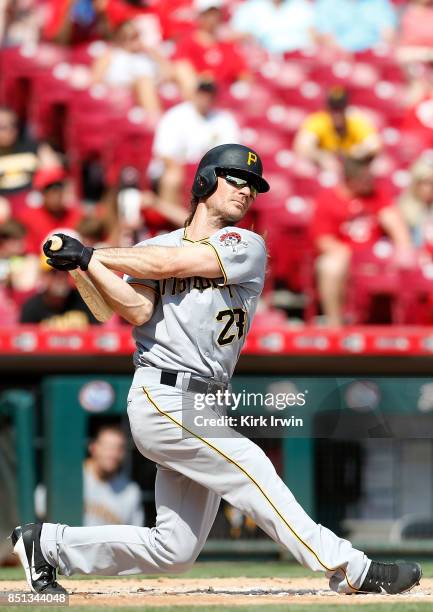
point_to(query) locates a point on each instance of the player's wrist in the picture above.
(85, 257)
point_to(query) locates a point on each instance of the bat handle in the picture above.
(56, 243)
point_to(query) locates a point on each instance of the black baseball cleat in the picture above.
(391, 578)
(40, 575)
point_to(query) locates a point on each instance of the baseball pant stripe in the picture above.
(253, 480)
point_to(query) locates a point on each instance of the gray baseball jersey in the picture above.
(199, 325)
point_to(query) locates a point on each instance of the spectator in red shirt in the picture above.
(204, 54)
(355, 213)
(54, 214)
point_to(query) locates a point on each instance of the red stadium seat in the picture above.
(285, 226)
(416, 296)
(373, 276)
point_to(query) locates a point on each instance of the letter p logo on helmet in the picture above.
(252, 158)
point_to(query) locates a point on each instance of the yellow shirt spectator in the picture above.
(336, 131)
(321, 125)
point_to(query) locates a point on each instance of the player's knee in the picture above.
(178, 563)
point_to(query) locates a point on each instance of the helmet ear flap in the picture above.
(205, 182)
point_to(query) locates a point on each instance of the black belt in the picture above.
(195, 385)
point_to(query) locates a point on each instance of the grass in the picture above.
(222, 569)
(225, 569)
(214, 569)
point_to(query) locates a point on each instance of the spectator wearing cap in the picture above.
(416, 202)
(356, 213)
(184, 134)
(355, 25)
(19, 159)
(55, 213)
(57, 304)
(336, 130)
(279, 26)
(129, 64)
(205, 54)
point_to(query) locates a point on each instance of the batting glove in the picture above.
(72, 252)
(62, 265)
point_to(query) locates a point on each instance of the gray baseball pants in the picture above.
(193, 474)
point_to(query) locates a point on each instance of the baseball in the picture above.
(56, 243)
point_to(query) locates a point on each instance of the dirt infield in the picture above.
(216, 591)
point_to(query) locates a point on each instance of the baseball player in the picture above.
(191, 295)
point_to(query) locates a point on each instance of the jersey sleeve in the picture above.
(242, 257)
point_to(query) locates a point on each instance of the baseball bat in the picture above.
(94, 300)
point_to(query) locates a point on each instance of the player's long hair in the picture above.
(192, 208)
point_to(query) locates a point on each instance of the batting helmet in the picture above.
(245, 161)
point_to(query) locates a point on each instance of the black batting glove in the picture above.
(72, 251)
(63, 266)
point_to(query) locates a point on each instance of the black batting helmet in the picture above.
(237, 157)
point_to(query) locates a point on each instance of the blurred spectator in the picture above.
(71, 22)
(129, 64)
(19, 157)
(418, 119)
(55, 212)
(19, 271)
(416, 32)
(20, 22)
(355, 25)
(57, 305)
(337, 130)
(354, 214)
(142, 13)
(93, 231)
(183, 135)
(110, 497)
(278, 25)
(204, 54)
(416, 202)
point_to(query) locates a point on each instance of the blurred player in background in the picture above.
(109, 496)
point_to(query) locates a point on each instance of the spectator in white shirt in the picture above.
(130, 64)
(184, 134)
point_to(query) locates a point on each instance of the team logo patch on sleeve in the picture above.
(233, 240)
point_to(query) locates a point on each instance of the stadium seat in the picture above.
(373, 276)
(416, 295)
